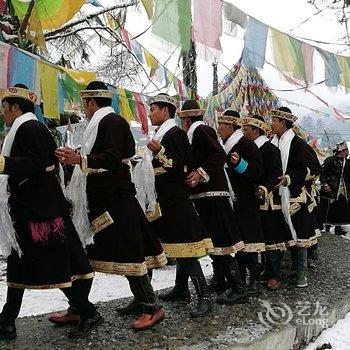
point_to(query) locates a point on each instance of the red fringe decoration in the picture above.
(42, 231)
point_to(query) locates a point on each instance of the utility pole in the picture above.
(215, 77)
(189, 69)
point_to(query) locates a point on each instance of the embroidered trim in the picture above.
(254, 247)
(294, 207)
(96, 93)
(228, 250)
(18, 92)
(301, 199)
(280, 245)
(159, 171)
(86, 170)
(227, 119)
(151, 216)
(187, 250)
(269, 201)
(50, 168)
(127, 269)
(2, 164)
(44, 286)
(257, 123)
(83, 277)
(154, 262)
(191, 113)
(306, 243)
(203, 174)
(210, 194)
(162, 157)
(284, 115)
(101, 222)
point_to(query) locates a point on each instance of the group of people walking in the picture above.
(241, 200)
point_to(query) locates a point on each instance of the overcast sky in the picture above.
(281, 14)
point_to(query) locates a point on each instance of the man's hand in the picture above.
(193, 179)
(260, 193)
(234, 158)
(283, 182)
(327, 188)
(154, 146)
(67, 155)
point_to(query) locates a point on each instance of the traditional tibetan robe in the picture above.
(294, 155)
(123, 242)
(211, 196)
(52, 254)
(335, 204)
(179, 227)
(245, 177)
(276, 231)
(314, 170)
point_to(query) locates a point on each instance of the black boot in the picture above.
(86, 325)
(217, 282)
(200, 284)
(254, 283)
(339, 231)
(7, 332)
(180, 292)
(133, 308)
(237, 293)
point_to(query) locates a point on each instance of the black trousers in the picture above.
(249, 261)
(144, 294)
(222, 260)
(77, 296)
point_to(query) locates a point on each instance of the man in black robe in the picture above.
(335, 188)
(211, 197)
(245, 170)
(123, 240)
(45, 250)
(179, 227)
(295, 201)
(277, 234)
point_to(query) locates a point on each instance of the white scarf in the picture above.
(163, 129)
(261, 140)
(76, 190)
(192, 129)
(283, 143)
(8, 239)
(143, 174)
(232, 140)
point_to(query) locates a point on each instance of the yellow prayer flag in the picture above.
(148, 5)
(110, 21)
(150, 60)
(35, 31)
(49, 89)
(282, 54)
(344, 65)
(125, 110)
(80, 76)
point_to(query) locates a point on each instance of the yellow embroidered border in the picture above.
(159, 171)
(187, 250)
(228, 250)
(269, 201)
(2, 164)
(254, 247)
(306, 243)
(83, 277)
(161, 156)
(153, 262)
(301, 199)
(44, 286)
(126, 269)
(281, 245)
(86, 170)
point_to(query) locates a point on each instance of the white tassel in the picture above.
(76, 194)
(8, 239)
(144, 181)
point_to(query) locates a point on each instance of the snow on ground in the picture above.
(337, 336)
(105, 287)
